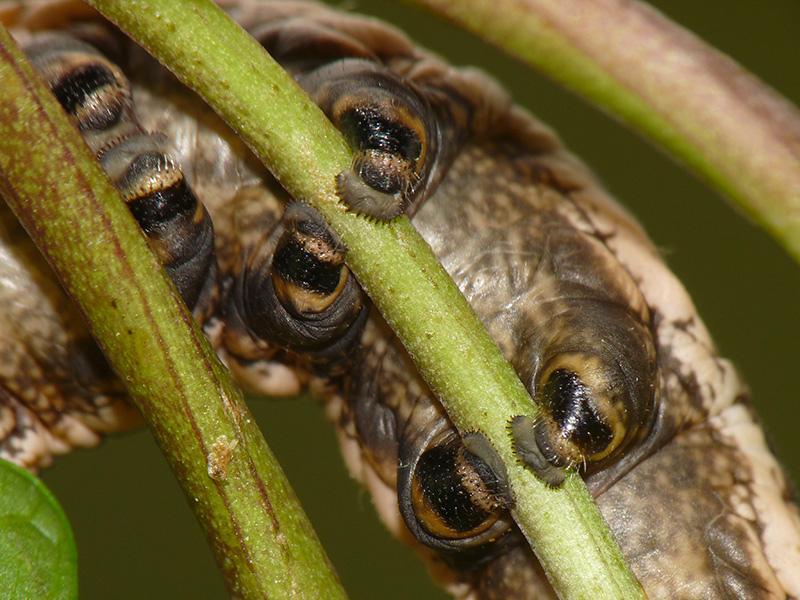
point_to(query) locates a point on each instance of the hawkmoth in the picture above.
(563, 178)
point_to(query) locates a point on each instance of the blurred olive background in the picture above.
(136, 535)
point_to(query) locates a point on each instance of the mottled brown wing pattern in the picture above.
(605, 338)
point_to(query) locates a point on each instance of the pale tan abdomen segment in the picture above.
(56, 390)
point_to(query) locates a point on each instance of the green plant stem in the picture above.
(257, 530)
(454, 353)
(703, 108)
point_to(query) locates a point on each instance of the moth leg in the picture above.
(293, 290)
(405, 113)
(522, 431)
(593, 403)
(452, 493)
(385, 118)
(389, 126)
(586, 353)
(596, 401)
(97, 97)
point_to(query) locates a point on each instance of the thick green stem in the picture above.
(257, 530)
(454, 353)
(699, 105)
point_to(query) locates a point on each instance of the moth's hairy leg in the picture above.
(97, 97)
(450, 498)
(293, 290)
(595, 399)
(522, 430)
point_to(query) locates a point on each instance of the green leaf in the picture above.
(39, 559)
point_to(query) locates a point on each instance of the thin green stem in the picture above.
(454, 353)
(257, 530)
(703, 108)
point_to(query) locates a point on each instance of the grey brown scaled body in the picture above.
(694, 496)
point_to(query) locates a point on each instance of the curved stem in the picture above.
(702, 107)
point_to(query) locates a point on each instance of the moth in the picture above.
(604, 337)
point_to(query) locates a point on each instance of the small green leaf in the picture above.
(39, 559)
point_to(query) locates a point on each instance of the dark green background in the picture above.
(136, 536)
